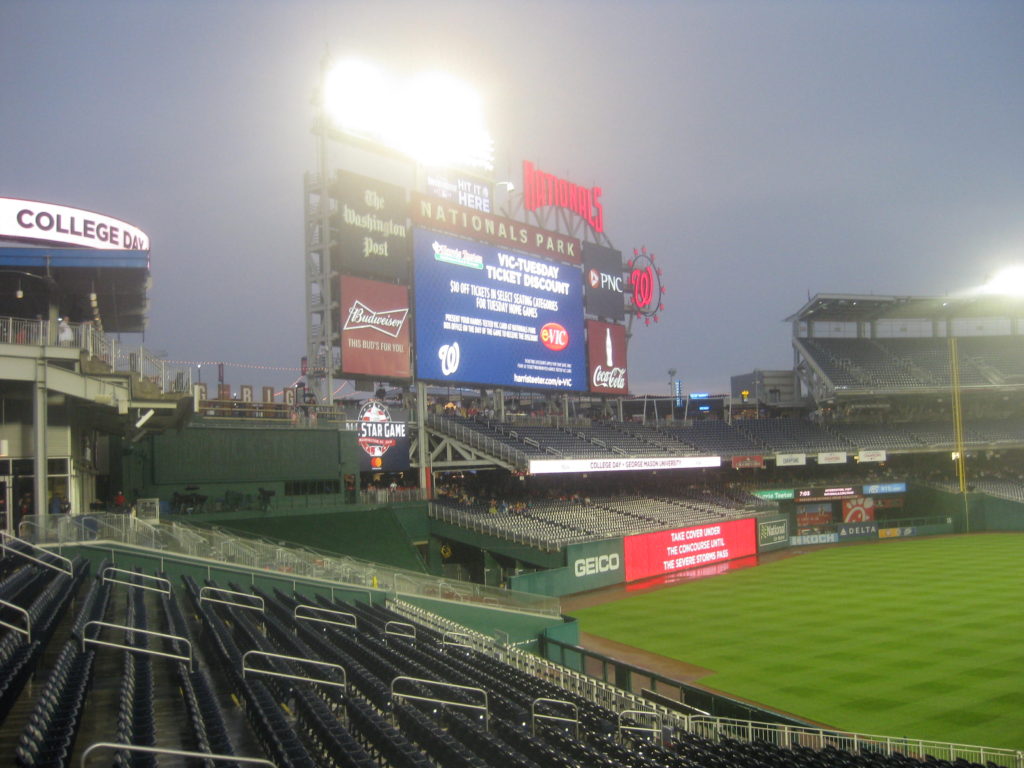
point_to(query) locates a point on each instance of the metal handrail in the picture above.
(391, 627)
(166, 591)
(203, 597)
(298, 660)
(445, 702)
(456, 638)
(353, 625)
(654, 730)
(27, 631)
(4, 536)
(174, 752)
(575, 719)
(147, 651)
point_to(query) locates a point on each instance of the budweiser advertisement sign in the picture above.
(374, 329)
(606, 358)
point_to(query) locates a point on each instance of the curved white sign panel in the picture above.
(51, 223)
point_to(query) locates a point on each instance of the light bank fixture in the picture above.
(431, 117)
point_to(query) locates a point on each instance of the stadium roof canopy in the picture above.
(70, 278)
(837, 307)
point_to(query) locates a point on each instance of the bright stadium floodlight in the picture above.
(433, 117)
(1008, 281)
(358, 97)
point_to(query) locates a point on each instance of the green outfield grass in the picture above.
(921, 638)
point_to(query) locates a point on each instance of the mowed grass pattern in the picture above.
(922, 638)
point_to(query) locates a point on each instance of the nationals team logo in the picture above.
(377, 433)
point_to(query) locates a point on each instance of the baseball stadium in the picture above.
(490, 551)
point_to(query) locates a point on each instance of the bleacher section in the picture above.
(551, 525)
(154, 665)
(916, 363)
(741, 438)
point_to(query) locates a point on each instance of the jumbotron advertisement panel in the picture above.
(486, 315)
(660, 552)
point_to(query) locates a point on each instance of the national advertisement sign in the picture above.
(772, 533)
(489, 316)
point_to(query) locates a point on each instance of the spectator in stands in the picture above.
(65, 336)
(120, 503)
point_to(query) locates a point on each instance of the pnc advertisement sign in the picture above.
(606, 356)
(652, 554)
(485, 315)
(374, 329)
(603, 282)
(370, 226)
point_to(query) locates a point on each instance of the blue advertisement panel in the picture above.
(486, 315)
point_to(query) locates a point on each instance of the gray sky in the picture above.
(762, 150)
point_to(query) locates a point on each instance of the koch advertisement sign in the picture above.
(485, 315)
(606, 358)
(374, 329)
(603, 282)
(370, 227)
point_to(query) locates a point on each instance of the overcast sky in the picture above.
(762, 150)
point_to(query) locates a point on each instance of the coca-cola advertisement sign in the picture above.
(374, 329)
(606, 358)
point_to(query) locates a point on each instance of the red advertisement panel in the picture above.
(606, 358)
(859, 509)
(652, 554)
(374, 329)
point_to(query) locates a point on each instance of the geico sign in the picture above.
(587, 566)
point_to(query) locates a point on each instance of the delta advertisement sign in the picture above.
(654, 554)
(489, 316)
(51, 223)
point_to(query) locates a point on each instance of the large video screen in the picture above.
(487, 315)
(653, 554)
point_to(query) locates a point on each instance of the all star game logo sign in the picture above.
(385, 443)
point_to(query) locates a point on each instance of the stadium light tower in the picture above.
(429, 120)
